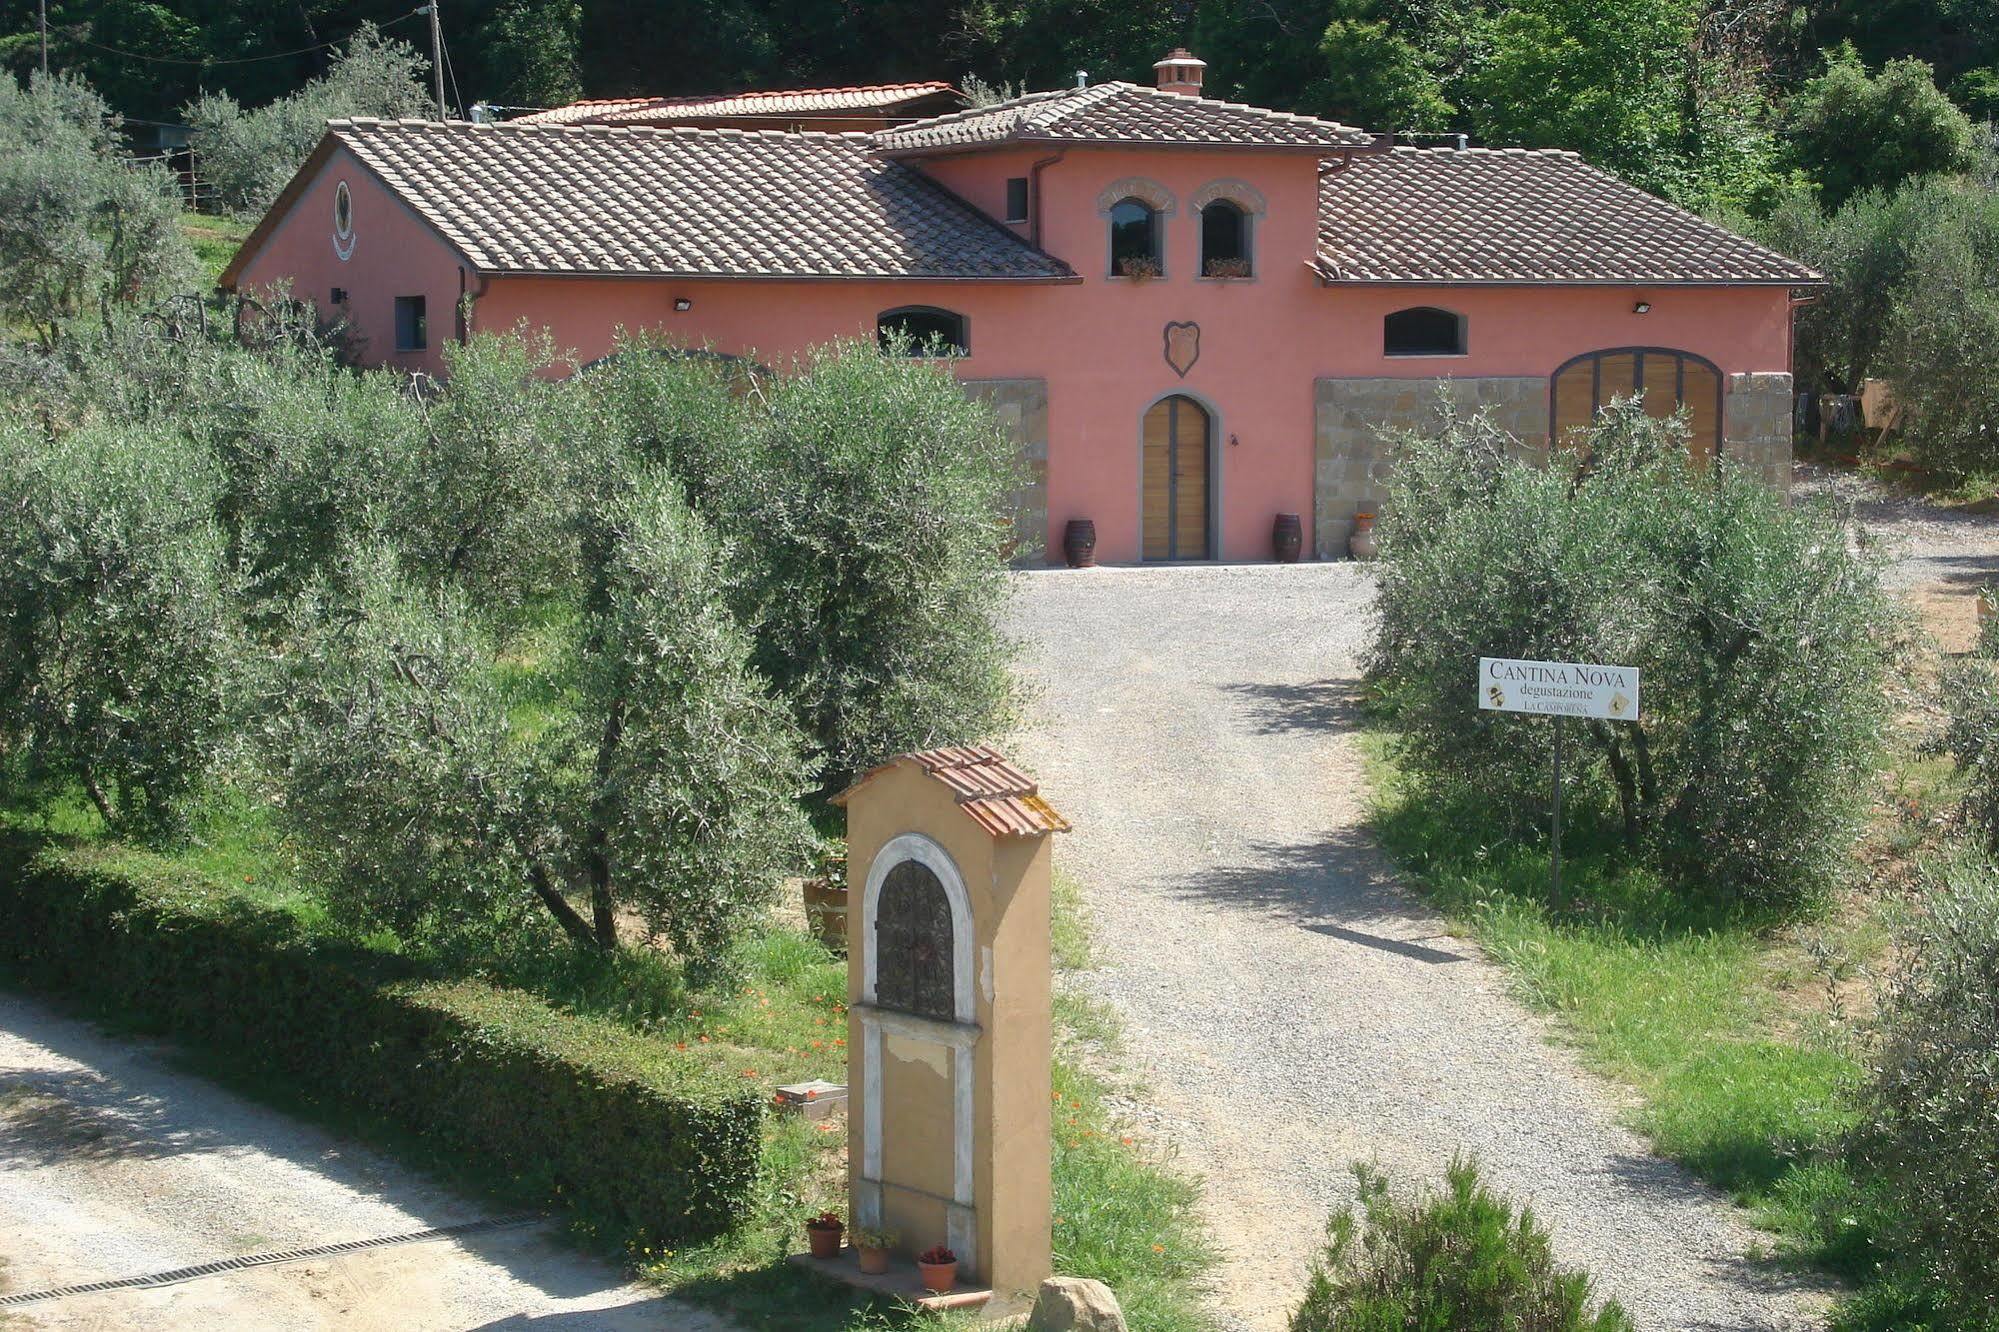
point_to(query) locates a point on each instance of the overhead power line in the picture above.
(232, 60)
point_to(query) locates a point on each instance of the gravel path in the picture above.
(1289, 1005)
(115, 1164)
(1929, 547)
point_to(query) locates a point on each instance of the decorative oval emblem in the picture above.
(1183, 346)
(343, 222)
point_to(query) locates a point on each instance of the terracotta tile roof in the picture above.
(1120, 113)
(1513, 215)
(685, 202)
(577, 113)
(880, 97)
(997, 796)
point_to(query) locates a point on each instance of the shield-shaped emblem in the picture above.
(1183, 346)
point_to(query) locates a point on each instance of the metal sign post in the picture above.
(1558, 689)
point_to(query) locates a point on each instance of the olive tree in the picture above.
(868, 507)
(81, 230)
(248, 155)
(626, 758)
(115, 665)
(1758, 632)
(1930, 1128)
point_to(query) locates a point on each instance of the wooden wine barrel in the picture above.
(1079, 543)
(1287, 536)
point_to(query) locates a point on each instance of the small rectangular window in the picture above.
(412, 328)
(1016, 199)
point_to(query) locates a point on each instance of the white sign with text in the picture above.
(1558, 688)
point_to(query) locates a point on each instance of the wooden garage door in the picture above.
(1668, 378)
(1174, 496)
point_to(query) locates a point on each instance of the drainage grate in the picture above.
(266, 1259)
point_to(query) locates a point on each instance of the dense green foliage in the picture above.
(1756, 632)
(868, 509)
(1970, 736)
(646, 1141)
(1912, 296)
(119, 633)
(1931, 1138)
(1459, 1258)
(80, 230)
(502, 676)
(1712, 104)
(863, 499)
(1854, 132)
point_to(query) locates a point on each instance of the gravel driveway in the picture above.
(115, 1164)
(1290, 1006)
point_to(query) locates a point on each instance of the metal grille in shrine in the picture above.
(913, 943)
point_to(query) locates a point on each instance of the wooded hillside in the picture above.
(1700, 99)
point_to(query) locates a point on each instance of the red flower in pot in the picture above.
(823, 1232)
(939, 1268)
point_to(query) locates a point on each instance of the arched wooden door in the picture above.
(1178, 450)
(1669, 380)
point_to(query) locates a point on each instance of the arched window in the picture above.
(1423, 330)
(925, 330)
(1135, 239)
(1224, 240)
(1669, 380)
(913, 943)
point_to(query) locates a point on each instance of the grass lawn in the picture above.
(215, 241)
(1734, 1032)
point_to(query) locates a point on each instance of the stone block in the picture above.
(1075, 1304)
(1021, 405)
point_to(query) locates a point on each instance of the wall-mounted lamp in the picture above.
(683, 304)
(1643, 307)
(1234, 442)
(340, 295)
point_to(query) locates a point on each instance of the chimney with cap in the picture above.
(1180, 73)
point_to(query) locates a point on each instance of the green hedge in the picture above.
(651, 1146)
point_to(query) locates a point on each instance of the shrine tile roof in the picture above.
(999, 797)
(1110, 114)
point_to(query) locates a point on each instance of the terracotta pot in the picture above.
(938, 1277)
(825, 1240)
(1361, 544)
(1079, 543)
(1287, 537)
(873, 1261)
(826, 912)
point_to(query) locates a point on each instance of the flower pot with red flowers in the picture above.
(873, 1248)
(823, 1233)
(939, 1269)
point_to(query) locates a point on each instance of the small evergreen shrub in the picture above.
(1931, 1132)
(1457, 1259)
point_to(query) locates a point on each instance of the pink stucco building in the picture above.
(1194, 315)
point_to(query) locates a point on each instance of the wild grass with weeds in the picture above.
(1707, 1011)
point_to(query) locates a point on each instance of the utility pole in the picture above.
(44, 28)
(436, 56)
